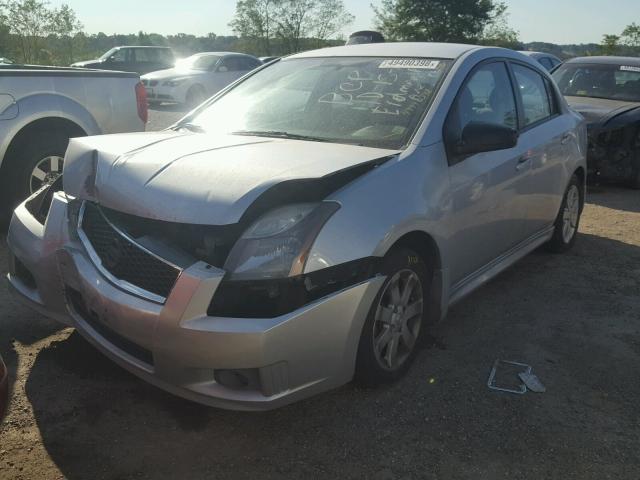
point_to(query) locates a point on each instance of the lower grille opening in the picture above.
(241, 379)
(77, 303)
(23, 274)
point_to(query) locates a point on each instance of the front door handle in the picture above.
(565, 138)
(523, 162)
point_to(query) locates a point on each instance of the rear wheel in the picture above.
(395, 325)
(568, 220)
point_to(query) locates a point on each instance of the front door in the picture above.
(488, 189)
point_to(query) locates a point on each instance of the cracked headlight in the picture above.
(278, 243)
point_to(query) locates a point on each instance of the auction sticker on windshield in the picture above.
(626, 68)
(410, 63)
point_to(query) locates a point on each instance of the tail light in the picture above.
(141, 100)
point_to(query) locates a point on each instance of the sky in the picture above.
(555, 21)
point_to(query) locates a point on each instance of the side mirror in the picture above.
(223, 68)
(478, 137)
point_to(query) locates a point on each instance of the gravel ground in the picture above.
(574, 317)
(164, 115)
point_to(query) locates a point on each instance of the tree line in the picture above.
(32, 31)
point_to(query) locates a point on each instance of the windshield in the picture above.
(374, 102)
(197, 62)
(614, 82)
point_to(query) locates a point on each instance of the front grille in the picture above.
(123, 258)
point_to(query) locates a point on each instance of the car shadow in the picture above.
(557, 312)
(614, 197)
(169, 107)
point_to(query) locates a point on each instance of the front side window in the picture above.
(487, 97)
(536, 102)
(118, 55)
(376, 102)
(613, 82)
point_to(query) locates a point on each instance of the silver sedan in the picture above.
(305, 226)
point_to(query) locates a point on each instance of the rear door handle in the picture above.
(565, 138)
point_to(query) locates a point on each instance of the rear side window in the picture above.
(487, 97)
(546, 63)
(536, 102)
(234, 64)
(165, 56)
(147, 55)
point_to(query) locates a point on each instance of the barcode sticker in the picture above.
(626, 68)
(410, 63)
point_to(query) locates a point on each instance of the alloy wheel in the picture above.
(398, 319)
(45, 172)
(571, 213)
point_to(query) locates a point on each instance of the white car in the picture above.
(196, 78)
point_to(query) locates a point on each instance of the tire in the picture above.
(568, 220)
(635, 180)
(35, 162)
(390, 328)
(195, 96)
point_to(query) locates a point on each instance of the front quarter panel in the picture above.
(406, 194)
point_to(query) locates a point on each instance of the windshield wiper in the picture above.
(277, 134)
(189, 126)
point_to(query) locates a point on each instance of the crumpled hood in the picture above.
(196, 178)
(599, 111)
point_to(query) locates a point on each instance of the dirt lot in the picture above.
(575, 318)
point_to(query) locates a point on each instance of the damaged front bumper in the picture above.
(614, 153)
(236, 363)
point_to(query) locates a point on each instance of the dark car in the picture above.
(606, 91)
(140, 60)
(547, 60)
(365, 36)
(4, 389)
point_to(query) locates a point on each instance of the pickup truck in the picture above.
(41, 108)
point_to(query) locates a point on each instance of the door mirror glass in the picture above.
(480, 137)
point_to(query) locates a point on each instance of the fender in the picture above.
(45, 105)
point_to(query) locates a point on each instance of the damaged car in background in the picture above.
(606, 91)
(307, 224)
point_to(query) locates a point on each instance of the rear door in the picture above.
(545, 134)
(488, 201)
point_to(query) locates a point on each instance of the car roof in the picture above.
(537, 54)
(612, 60)
(144, 46)
(393, 49)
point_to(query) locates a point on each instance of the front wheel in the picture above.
(568, 220)
(396, 322)
(34, 164)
